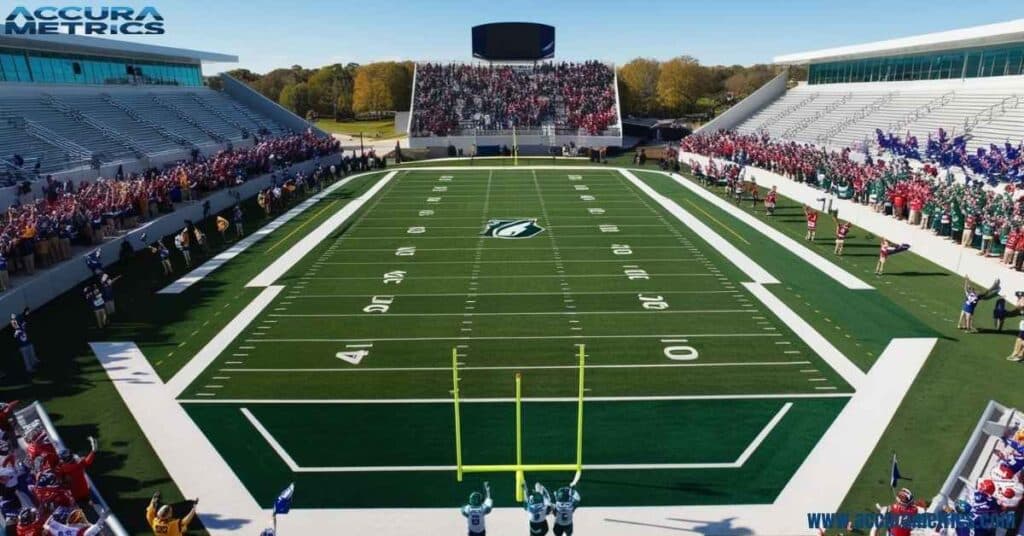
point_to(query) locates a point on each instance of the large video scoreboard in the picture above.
(513, 41)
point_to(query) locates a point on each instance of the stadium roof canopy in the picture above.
(976, 36)
(81, 44)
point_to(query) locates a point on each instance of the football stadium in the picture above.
(495, 285)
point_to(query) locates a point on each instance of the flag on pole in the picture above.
(894, 474)
(283, 503)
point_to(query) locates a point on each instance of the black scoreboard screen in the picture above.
(513, 41)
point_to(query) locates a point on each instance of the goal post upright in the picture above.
(583, 358)
(520, 477)
(458, 419)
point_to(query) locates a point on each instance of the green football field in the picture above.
(695, 393)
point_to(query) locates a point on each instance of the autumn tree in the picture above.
(638, 86)
(681, 82)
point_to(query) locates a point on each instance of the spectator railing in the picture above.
(978, 456)
(34, 415)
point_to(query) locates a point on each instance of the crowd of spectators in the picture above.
(993, 164)
(43, 229)
(991, 220)
(454, 97)
(43, 485)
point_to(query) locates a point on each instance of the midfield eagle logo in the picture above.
(521, 228)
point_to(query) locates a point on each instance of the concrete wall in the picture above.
(402, 122)
(47, 284)
(941, 251)
(253, 99)
(748, 106)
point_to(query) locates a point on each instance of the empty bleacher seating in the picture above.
(848, 115)
(61, 128)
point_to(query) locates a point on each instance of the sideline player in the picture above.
(971, 299)
(480, 504)
(884, 251)
(903, 507)
(537, 505)
(770, 199)
(567, 500)
(842, 229)
(812, 222)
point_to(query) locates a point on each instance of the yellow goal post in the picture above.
(519, 468)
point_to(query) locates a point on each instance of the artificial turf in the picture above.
(916, 298)
(527, 304)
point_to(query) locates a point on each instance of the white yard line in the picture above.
(826, 266)
(463, 277)
(295, 467)
(459, 294)
(220, 259)
(221, 341)
(501, 400)
(286, 261)
(521, 313)
(528, 337)
(545, 261)
(835, 359)
(753, 270)
(528, 367)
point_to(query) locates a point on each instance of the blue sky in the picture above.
(267, 34)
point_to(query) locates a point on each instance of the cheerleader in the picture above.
(971, 299)
(842, 229)
(884, 251)
(769, 201)
(812, 222)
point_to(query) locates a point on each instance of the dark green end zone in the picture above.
(707, 431)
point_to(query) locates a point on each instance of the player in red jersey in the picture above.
(884, 251)
(72, 471)
(812, 222)
(30, 523)
(769, 201)
(40, 450)
(902, 509)
(842, 229)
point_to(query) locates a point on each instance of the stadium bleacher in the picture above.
(847, 115)
(61, 128)
(451, 99)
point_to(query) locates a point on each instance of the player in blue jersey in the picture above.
(480, 504)
(971, 299)
(537, 505)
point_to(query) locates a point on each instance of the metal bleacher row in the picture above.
(63, 128)
(845, 116)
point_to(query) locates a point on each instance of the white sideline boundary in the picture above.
(285, 262)
(221, 341)
(753, 270)
(835, 359)
(205, 269)
(191, 460)
(826, 266)
(736, 464)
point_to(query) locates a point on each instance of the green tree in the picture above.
(681, 82)
(638, 86)
(296, 98)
